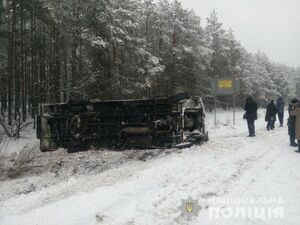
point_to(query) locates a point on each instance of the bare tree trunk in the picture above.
(23, 80)
(11, 62)
(34, 68)
(16, 64)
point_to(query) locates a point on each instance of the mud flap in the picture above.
(206, 137)
(47, 145)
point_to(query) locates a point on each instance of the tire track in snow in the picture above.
(249, 169)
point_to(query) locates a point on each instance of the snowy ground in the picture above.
(231, 174)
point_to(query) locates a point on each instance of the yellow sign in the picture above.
(189, 207)
(225, 83)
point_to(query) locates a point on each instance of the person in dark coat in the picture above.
(251, 115)
(296, 112)
(292, 123)
(271, 115)
(280, 110)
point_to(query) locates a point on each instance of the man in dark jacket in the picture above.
(292, 123)
(271, 115)
(280, 110)
(251, 115)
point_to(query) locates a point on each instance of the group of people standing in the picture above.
(274, 109)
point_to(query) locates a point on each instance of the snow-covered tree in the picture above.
(53, 51)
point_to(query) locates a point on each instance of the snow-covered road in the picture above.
(263, 172)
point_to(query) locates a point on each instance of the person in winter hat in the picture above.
(296, 112)
(292, 122)
(280, 110)
(251, 115)
(271, 115)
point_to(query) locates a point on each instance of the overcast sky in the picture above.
(271, 26)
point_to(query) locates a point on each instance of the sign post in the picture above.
(226, 86)
(234, 98)
(215, 108)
